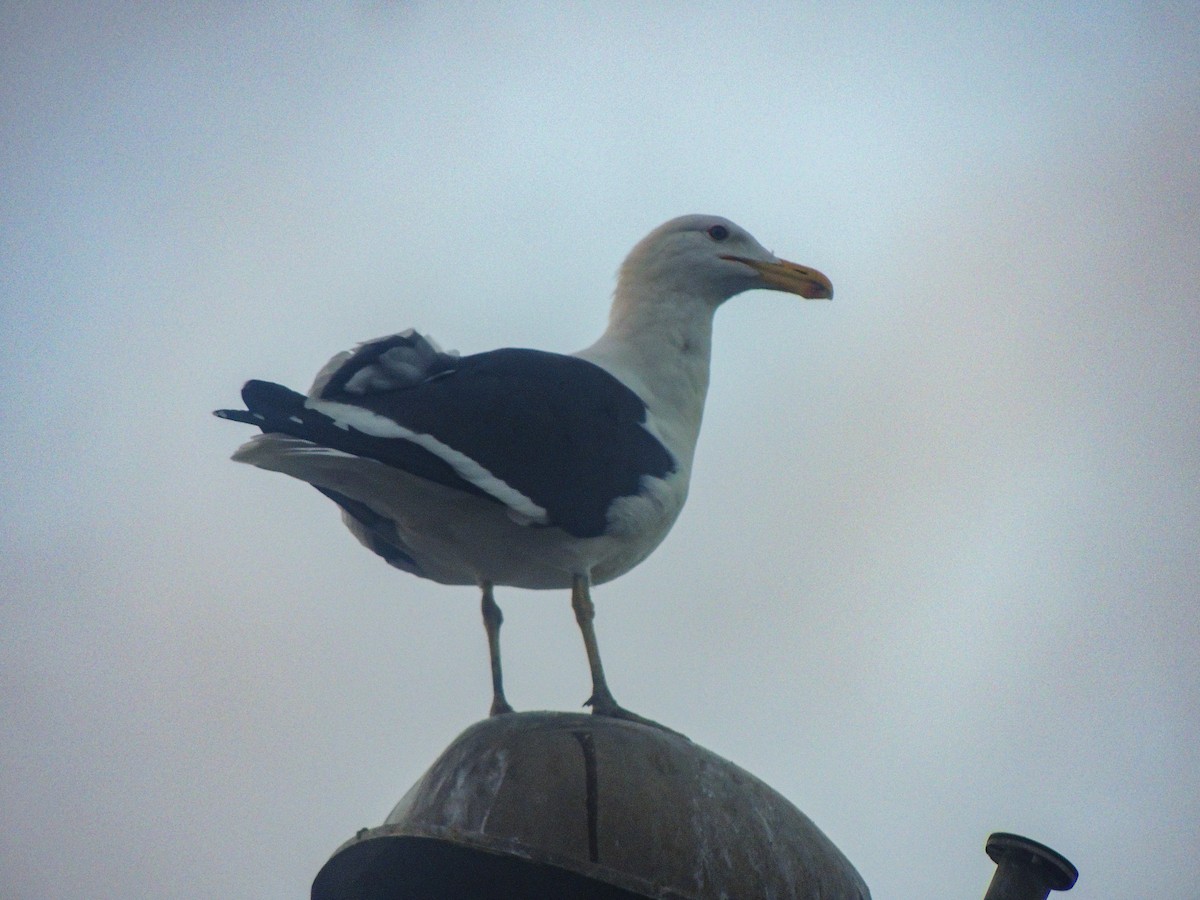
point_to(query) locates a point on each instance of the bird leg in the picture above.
(601, 701)
(585, 611)
(492, 620)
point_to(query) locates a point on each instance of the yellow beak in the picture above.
(788, 276)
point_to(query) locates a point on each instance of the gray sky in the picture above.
(937, 576)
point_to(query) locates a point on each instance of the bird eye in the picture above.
(718, 232)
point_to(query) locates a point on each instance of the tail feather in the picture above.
(278, 410)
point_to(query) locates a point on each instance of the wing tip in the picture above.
(239, 415)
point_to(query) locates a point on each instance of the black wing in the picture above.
(558, 429)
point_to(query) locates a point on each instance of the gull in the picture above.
(526, 468)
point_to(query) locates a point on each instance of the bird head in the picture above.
(712, 258)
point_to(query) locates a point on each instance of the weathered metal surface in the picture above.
(1025, 869)
(624, 809)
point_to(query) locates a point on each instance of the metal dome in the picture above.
(567, 805)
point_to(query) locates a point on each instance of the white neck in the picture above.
(660, 347)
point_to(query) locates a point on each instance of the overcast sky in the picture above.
(938, 573)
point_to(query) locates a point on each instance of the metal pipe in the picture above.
(1025, 869)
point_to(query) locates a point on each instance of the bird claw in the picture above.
(499, 707)
(608, 707)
